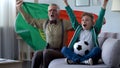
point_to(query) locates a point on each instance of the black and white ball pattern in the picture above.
(82, 48)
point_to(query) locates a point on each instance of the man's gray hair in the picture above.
(53, 4)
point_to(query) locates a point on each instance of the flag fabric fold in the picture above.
(27, 32)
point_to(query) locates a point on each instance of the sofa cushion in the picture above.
(108, 34)
(60, 63)
(111, 52)
(101, 41)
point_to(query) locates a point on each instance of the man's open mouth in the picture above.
(52, 15)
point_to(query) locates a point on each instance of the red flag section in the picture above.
(63, 15)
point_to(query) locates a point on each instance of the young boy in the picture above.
(86, 31)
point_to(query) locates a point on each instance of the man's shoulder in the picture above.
(42, 21)
(65, 21)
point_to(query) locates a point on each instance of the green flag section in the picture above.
(34, 37)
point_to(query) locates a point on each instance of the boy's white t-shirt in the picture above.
(86, 35)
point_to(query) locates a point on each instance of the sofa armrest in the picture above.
(101, 41)
(111, 52)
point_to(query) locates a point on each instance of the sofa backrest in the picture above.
(109, 35)
(104, 35)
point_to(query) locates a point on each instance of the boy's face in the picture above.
(86, 22)
(53, 13)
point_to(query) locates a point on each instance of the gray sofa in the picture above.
(110, 44)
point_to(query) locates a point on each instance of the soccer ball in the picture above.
(82, 48)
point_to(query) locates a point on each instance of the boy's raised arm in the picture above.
(66, 3)
(72, 17)
(99, 22)
(104, 4)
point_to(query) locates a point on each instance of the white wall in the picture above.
(7, 19)
(28, 0)
(112, 18)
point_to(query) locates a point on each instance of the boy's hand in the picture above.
(18, 4)
(105, 4)
(66, 3)
(105, 1)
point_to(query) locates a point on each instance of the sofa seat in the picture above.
(110, 45)
(60, 63)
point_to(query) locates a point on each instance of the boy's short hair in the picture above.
(88, 14)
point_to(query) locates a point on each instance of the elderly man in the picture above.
(55, 30)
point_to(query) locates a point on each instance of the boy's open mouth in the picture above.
(84, 25)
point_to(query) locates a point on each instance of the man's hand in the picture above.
(18, 4)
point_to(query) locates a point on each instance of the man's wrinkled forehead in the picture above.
(52, 7)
